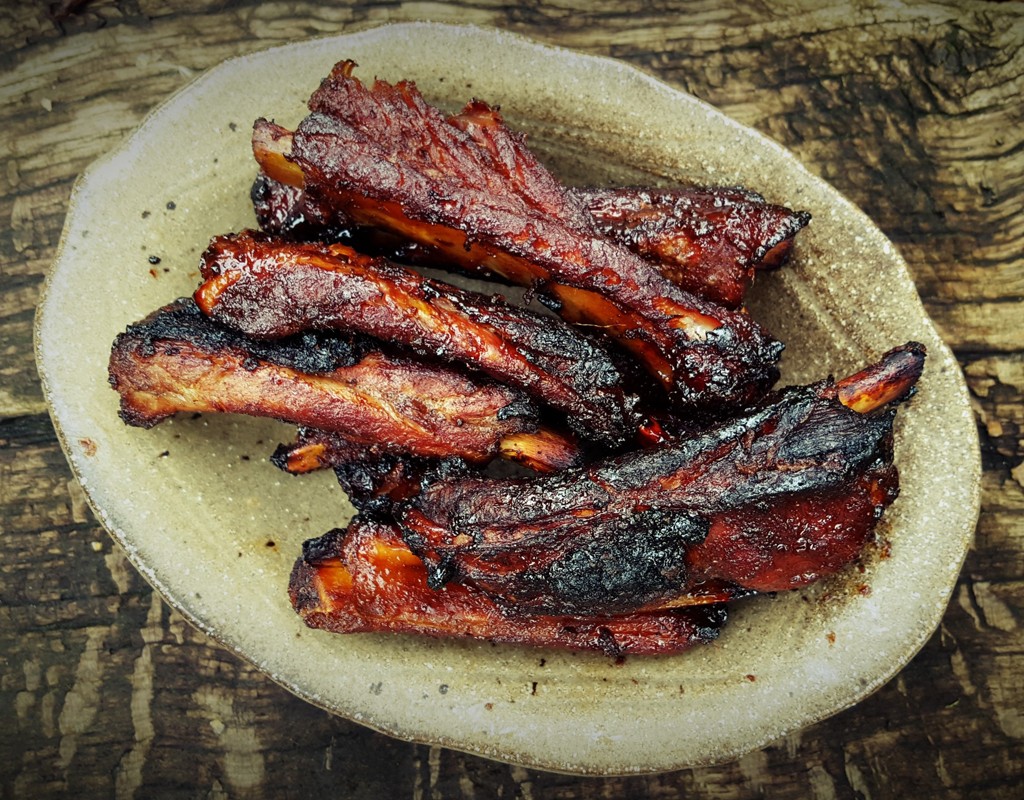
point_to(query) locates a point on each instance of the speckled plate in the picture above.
(215, 528)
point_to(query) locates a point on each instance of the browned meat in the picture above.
(467, 186)
(706, 241)
(780, 498)
(178, 360)
(367, 580)
(266, 287)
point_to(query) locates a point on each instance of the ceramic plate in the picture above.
(215, 528)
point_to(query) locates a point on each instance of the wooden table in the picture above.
(915, 112)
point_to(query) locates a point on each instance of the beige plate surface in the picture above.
(216, 528)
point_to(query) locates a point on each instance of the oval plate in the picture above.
(215, 528)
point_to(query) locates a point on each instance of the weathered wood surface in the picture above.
(913, 110)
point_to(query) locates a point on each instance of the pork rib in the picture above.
(178, 360)
(709, 241)
(265, 287)
(365, 579)
(772, 501)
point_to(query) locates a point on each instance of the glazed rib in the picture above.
(178, 360)
(367, 580)
(772, 501)
(708, 241)
(265, 287)
(467, 186)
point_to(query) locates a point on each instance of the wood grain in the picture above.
(912, 110)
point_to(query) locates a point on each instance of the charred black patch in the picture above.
(311, 352)
(323, 548)
(709, 621)
(634, 558)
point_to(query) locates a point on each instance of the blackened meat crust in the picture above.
(265, 287)
(366, 580)
(382, 156)
(178, 360)
(777, 499)
(309, 351)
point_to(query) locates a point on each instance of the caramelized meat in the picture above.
(265, 287)
(367, 580)
(707, 241)
(782, 497)
(737, 492)
(178, 360)
(468, 187)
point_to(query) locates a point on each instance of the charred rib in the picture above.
(707, 241)
(772, 501)
(367, 580)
